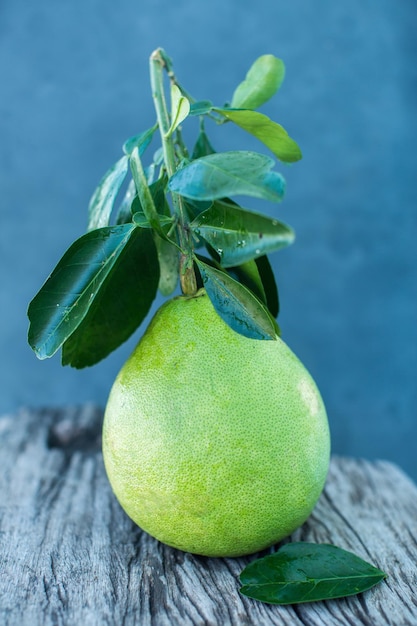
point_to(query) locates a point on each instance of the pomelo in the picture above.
(214, 443)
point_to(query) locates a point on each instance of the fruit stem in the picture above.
(158, 63)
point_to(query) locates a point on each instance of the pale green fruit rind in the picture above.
(214, 443)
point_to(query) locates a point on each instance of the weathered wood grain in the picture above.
(70, 556)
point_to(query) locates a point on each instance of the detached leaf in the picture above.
(271, 134)
(65, 298)
(229, 173)
(120, 305)
(102, 201)
(238, 235)
(262, 81)
(180, 108)
(307, 572)
(238, 306)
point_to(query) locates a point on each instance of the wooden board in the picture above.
(70, 556)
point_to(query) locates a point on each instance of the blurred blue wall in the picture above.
(74, 85)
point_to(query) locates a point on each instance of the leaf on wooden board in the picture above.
(271, 134)
(236, 304)
(307, 572)
(231, 173)
(180, 108)
(262, 81)
(140, 141)
(64, 300)
(119, 305)
(102, 200)
(239, 235)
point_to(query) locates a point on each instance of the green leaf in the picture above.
(269, 284)
(229, 173)
(238, 306)
(120, 305)
(307, 572)
(194, 207)
(139, 219)
(144, 194)
(140, 141)
(238, 235)
(64, 300)
(248, 274)
(202, 107)
(124, 212)
(271, 134)
(180, 108)
(168, 263)
(102, 201)
(203, 146)
(157, 191)
(262, 81)
(257, 275)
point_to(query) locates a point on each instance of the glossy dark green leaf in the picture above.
(140, 141)
(65, 298)
(102, 201)
(248, 274)
(269, 284)
(201, 107)
(202, 146)
(124, 212)
(307, 572)
(239, 235)
(194, 207)
(262, 81)
(228, 174)
(257, 275)
(238, 306)
(120, 304)
(271, 134)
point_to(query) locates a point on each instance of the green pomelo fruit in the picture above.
(214, 443)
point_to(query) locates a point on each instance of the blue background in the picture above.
(74, 86)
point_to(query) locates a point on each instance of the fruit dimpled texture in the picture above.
(214, 443)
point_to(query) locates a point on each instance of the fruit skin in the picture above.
(214, 443)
